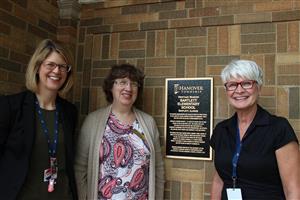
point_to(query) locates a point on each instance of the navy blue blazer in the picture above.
(17, 134)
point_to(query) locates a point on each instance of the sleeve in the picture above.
(159, 166)
(284, 133)
(81, 158)
(4, 122)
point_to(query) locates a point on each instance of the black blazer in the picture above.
(17, 134)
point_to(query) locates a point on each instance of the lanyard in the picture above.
(236, 155)
(52, 147)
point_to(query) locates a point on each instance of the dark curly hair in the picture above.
(123, 71)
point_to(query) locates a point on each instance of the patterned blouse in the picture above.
(124, 162)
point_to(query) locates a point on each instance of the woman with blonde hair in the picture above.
(37, 129)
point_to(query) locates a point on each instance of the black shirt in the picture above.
(257, 170)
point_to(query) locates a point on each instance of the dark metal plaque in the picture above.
(188, 118)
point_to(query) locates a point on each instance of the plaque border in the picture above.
(210, 79)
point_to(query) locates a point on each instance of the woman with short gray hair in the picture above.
(256, 153)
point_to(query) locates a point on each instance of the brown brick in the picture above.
(137, 35)
(191, 51)
(289, 69)
(98, 73)
(92, 21)
(282, 103)
(222, 103)
(6, 5)
(258, 28)
(288, 80)
(177, 23)
(269, 69)
(175, 189)
(273, 6)
(132, 44)
(293, 37)
(294, 103)
(173, 14)
(190, 42)
(19, 57)
(133, 9)
(5, 29)
(190, 4)
(98, 29)
(16, 77)
(180, 67)
(267, 102)
(201, 66)
(258, 48)
(145, 17)
(132, 53)
(160, 62)
(214, 70)
(90, 13)
(12, 20)
(153, 82)
(160, 46)
(223, 40)
(10, 65)
(236, 9)
(148, 98)
(170, 43)
(212, 40)
(105, 47)
(3, 52)
(96, 52)
(114, 45)
(125, 27)
(86, 76)
(3, 75)
(37, 31)
(220, 60)
(158, 7)
(204, 12)
(26, 15)
(258, 38)
(79, 60)
(191, 32)
(253, 18)
(116, 20)
(159, 101)
(282, 37)
(150, 50)
(160, 72)
(291, 58)
(154, 25)
(220, 20)
(286, 16)
(88, 47)
(191, 67)
(186, 190)
(234, 40)
(104, 64)
(268, 90)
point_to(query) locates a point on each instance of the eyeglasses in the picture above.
(61, 67)
(123, 83)
(231, 86)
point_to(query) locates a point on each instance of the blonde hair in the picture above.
(42, 51)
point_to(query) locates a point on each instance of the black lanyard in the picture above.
(52, 147)
(236, 155)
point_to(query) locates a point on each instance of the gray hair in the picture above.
(246, 69)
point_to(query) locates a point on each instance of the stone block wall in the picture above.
(191, 38)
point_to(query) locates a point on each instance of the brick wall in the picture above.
(191, 38)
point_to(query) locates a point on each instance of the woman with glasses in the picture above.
(37, 129)
(119, 155)
(256, 153)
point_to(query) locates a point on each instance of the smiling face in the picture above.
(124, 92)
(52, 79)
(243, 99)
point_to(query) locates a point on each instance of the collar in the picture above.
(262, 118)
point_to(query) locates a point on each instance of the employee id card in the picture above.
(234, 194)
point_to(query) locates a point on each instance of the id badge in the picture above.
(234, 194)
